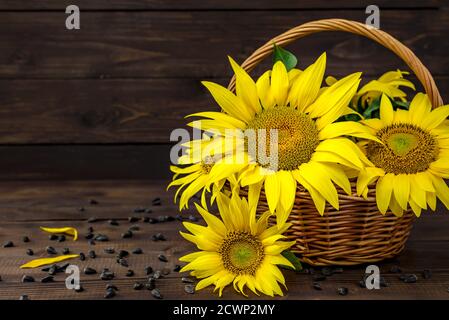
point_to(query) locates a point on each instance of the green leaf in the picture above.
(290, 256)
(286, 57)
(373, 106)
(400, 105)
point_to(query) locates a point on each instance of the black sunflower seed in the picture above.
(24, 297)
(109, 294)
(122, 254)
(53, 270)
(92, 254)
(156, 293)
(89, 271)
(317, 286)
(93, 201)
(162, 258)
(409, 278)
(26, 278)
(90, 230)
(89, 236)
(134, 227)
(92, 219)
(139, 210)
(51, 250)
(123, 263)
(79, 289)
(63, 267)
(189, 288)
(158, 237)
(362, 283)
(8, 244)
(110, 286)
(152, 221)
(130, 273)
(91, 242)
(151, 284)
(127, 234)
(157, 274)
(30, 252)
(342, 291)
(133, 219)
(52, 237)
(148, 270)
(187, 280)
(61, 238)
(101, 238)
(25, 239)
(47, 279)
(107, 275)
(109, 250)
(148, 210)
(156, 201)
(65, 251)
(138, 286)
(427, 274)
(82, 256)
(145, 219)
(81, 209)
(177, 268)
(113, 222)
(137, 251)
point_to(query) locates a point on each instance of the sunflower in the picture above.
(413, 158)
(237, 249)
(312, 149)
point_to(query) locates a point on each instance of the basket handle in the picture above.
(381, 37)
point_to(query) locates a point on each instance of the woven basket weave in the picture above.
(357, 233)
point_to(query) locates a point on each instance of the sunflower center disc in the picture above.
(406, 149)
(241, 253)
(297, 136)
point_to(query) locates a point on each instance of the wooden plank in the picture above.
(101, 111)
(211, 4)
(195, 44)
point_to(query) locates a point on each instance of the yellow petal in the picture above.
(65, 230)
(366, 177)
(287, 193)
(442, 190)
(245, 87)
(417, 194)
(279, 83)
(264, 90)
(344, 148)
(228, 120)
(346, 128)
(420, 107)
(272, 191)
(384, 189)
(386, 110)
(401, 189)
(45, 261)
(318, 199)
(436, 117)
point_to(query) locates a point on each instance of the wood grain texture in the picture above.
(195, 44)
(56, 203)
(211, 4)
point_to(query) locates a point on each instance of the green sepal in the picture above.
(286, 57)
(290, 256)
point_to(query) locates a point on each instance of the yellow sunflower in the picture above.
(311, 145)
(412, 160)
(237, 249)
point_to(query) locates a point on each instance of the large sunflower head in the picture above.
(311, 147)
(412, 158)
(237, 249)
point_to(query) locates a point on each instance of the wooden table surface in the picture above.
(27, 206)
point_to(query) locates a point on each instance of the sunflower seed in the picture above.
(89, 271)
(162, 218)
(137, 251)
(8, 244)
(47, 279)
(427, 274)
(157, 274)
(63, 267)
(148, 210)
(92, 220)
(127, 234)
(156, 293)
(81, 209)
(342, 291)
(138, 286)
(139, 210)
(79, 289)
(145, 219)
(93, 201)
(89, 236)
(383, 282)
(109, 250)
(113, 222)
(82, 256)
(65, 251)
(109, 294)
(26, 278)
(187, 280)
(61, 238)
(133, 219)
(177, 268)
(122, 254)
(30, 252)
(362, 283)
(92, 254)
(52, 237)
(151, 284)
(101, 238)
(130, 273)
(123, 262)
(189, 288)
(24, 297)
(148, 270)
(159, 237)
(134, 227)
(107, 275)
(91, 242)
(90, 230)
(317, 286)
(110, 286)
(409, 278)
(51, 250)
(156, 201)
(53, 270)
(152, 221)
(162, 258)
(25, 239)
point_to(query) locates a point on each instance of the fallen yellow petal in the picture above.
(66, 230)
(44, 261)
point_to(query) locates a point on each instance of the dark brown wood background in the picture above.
(100, 102)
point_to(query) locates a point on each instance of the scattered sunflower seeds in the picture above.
(8, 244)
(408, 278)
(107, 275)
(122, 254)
(92, 254)
(187, 280)
(158, 237)
(189, 288)
(395, 269)
(137, 251)
(65, 251)
(148, 270)
(427, 274)
(318, 277)
(139, 210)
(113, 222)
(138, 286)
(61, 238)
(24, 297)
(26, 278)
(127, 234)
(110, 286)
(92, 219)
(342, 291)
(30, 252)
(93, 201)
(123, 263)
(51, 250)
(82, 256)
(101, 238)
(317, 286)
(162, 258)
(134, 227)
(145, 219)
(47, 279)
(89, 271)
(156, 202)
(109, 294)
(133, 219)
(25, 239)
(151, 284)
(109, 250)
(156, 293)
(89, 236)
(177, 268)
(157, 274)
(130, 273)
(79, 289)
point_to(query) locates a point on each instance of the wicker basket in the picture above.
(357, 233)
